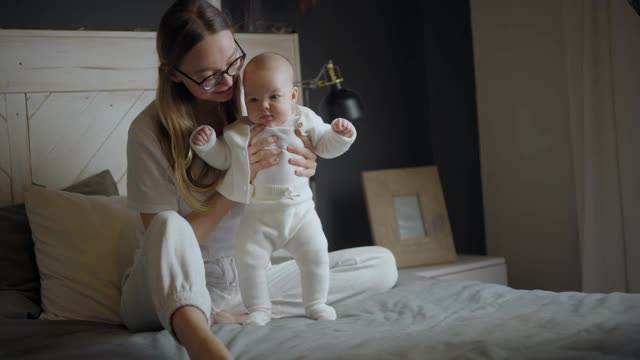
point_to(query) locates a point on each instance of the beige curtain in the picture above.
(603, 58)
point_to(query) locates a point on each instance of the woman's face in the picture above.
(211, 55)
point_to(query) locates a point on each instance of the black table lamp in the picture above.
(340, 101)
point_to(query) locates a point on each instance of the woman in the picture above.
(183, 273)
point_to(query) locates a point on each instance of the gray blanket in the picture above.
(418, 319)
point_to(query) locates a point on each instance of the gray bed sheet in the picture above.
(418, 319)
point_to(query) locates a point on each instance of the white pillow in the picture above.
(77, 246)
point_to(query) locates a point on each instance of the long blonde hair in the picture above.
(183, 26)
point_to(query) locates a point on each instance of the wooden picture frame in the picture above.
(408, 215)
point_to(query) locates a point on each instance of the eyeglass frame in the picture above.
(220, 74)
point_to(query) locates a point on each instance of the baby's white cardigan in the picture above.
(231, 151)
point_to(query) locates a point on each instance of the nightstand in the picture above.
(467, 267)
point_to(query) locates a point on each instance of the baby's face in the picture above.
(269, 97)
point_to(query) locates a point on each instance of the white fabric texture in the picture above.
(78, 252)
(215, 153)
(151, 188)
(154, 188)
(151, 183)
(603, 111)
(168, 273)
(355, 274)
(292, 224)
(282, 173)
(279, 215)
(236, 185)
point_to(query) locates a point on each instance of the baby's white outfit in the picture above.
(281, 212)
(167, 268)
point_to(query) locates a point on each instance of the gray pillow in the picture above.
(101, 183)
(18, 305)
(19, 277)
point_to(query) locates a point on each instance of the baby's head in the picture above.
(269, 93)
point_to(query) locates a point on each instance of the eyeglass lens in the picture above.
(215, 79)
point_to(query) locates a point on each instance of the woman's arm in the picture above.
(203, 223)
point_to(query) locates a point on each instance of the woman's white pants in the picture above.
(168, 272)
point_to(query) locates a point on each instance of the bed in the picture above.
(418, 319)
(65, 104)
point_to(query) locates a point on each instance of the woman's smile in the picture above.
(227, 91)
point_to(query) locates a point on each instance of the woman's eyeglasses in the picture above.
(210, 82)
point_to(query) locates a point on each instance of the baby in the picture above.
(281, 212)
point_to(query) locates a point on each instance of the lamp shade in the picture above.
(341, 103)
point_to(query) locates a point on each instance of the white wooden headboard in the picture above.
(67, 99)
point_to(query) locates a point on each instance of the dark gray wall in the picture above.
(452, 115)
(363, 41)
(412, 64)
(410, 61)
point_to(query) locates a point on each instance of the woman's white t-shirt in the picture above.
(151, 186)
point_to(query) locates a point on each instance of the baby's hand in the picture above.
(202, 136)
(343, 127)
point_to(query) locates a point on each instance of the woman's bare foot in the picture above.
(191, 328)
(226, 318)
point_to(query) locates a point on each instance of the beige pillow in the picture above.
(77, 247)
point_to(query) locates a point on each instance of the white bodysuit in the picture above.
(171, 268)
(281, 212)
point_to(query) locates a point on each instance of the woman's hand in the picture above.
(308, 162)
(259, 157)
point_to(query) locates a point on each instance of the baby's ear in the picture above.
(294, 94)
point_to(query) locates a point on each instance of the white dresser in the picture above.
(467, 267)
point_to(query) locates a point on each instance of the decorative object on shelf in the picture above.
(340, 101)
(408, 215)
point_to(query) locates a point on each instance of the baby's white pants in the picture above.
(281, 218)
